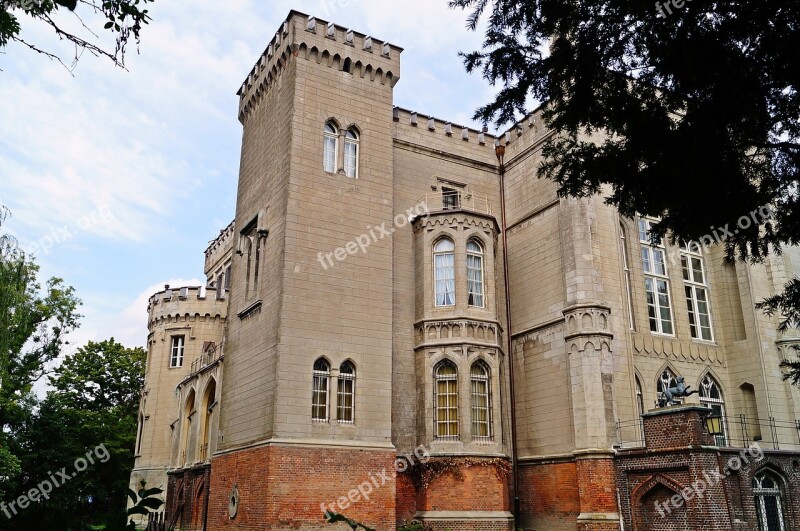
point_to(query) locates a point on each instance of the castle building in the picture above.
(414, 328)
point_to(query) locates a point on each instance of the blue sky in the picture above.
(117, 180)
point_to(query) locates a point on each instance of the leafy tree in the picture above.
(94, 404)
(33, 327)
(124, 18)
(696, 109)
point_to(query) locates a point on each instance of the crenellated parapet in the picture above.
(193, 302)
(219, 247)
(306, 37)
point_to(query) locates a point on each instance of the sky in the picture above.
(118, 179)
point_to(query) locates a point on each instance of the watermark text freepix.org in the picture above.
(710, 478)
(373, 235)
(55, 480)
(374, 480)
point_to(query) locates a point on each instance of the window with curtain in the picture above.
(656, 280)
(319, 394)
(711, 396)
(768, 498)
(330, 144)
(446, 400)
(345, 393)
(695, 287)
(444, 272)
(474, 274)
(351, 153)
(481, 401)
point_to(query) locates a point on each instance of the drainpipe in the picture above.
(500, 151)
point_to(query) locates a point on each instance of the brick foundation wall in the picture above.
(549, 495)
(187, 494)
(283, 487)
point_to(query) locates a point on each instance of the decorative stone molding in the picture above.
(587, 325)
(486, 222)
(667, 348)
(457, 331)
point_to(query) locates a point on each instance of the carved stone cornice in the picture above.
(445, 332)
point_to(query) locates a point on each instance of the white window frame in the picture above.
(693, 289)
(716, 404)
(352, 140)
(653, 255)
(441, 297)
(472, 256)
(176, 351)
(760, 493)
(346, 414)
(330, 143)
(320, 391)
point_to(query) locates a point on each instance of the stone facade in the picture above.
(366, 318)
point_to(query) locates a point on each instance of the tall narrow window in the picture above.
(139, 435)
(220, 285)
(188, 413)
(695, 286)
(640, 406)
(446, 400)
(248, 252)
(330, 147)
(665, 381)
(351, 153)
(319, 394)
(474, 274)
(481, 401)
(627, 272)
(228, 276)
(345, 393)
(711, 396)
(176, 352)
(656, 281)
(769, 506)
(444, 272)
(209, 401)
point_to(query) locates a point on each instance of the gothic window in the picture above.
(474, 274)
(711, 396)
(481, 401)
(656, 280)
(330, 146)
(176, 351)
(446, 400)
(351, 153)
(319, 394)
(695, 287)
(444, 272)
(769, 506)
(188, 413)
(665, 381)
(345, 393)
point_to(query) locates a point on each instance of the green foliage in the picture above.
(144, 502)
(124, 18)
(333, 518)
(94, 402)
(691, 117)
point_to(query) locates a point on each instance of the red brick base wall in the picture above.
(549, 496)
(286, 487)
(187, 495)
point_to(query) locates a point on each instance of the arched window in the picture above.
(351, 153)
(139, 435)
(444, 272)
(345, 393)
(665, 381)
(640, 405)
(767, 492)
(188, 413)
(711, 396)
(319, 394)
(474, 274)
(330, 145)
(696, 291)
(446, 400)
(209, 401)
(481, 401)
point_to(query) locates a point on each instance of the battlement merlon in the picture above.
(320, 39)
(219, 249)
(187, 301)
